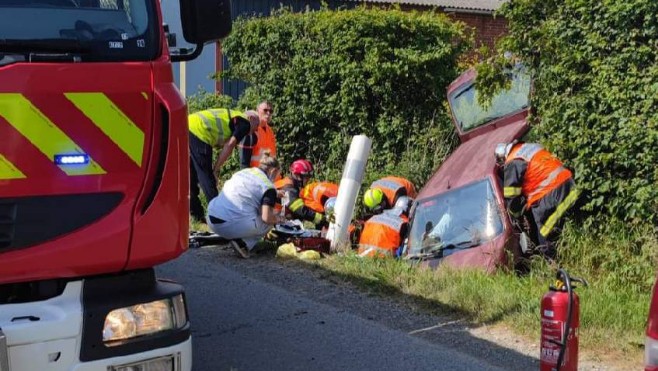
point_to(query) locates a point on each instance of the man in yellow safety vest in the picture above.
(213, 128)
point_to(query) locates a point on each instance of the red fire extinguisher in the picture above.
(559, 325)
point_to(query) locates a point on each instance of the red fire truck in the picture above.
(94, 182)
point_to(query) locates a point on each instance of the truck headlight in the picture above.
(144, 319)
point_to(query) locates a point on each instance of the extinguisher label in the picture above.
(551, 336)
(550, 355)
(548, 313)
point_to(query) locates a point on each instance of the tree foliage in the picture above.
(334, 74)
(595, 69)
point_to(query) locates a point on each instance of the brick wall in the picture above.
(487, 28)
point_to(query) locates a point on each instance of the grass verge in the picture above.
(619, 265)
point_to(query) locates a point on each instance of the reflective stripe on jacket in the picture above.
(543, 173)
(316, 193)
(212, 126)
(381, 235)
(391, 186)
(266, 141)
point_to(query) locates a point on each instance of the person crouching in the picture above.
(244, 210)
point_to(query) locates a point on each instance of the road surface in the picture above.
(261, 314)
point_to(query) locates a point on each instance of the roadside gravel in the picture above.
(496, 344)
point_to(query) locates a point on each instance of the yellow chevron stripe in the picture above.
(112, 121)
(145, 95)
(42, 133)
(8, 170)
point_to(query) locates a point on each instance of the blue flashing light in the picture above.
(72, 159)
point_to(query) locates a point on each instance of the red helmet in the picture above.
(302, 168)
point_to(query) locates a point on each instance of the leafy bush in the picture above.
(595, 68)
(202, 100)
(335, 74)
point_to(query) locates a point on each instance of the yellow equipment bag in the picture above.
(287, 250)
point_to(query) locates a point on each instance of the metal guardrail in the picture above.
(4, 355)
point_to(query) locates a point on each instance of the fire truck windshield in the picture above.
(96, 30)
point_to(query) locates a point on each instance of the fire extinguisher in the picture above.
(559, 325)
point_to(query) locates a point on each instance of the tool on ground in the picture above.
(200, 238)
(560, 309)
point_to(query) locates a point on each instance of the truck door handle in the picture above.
(29, 318)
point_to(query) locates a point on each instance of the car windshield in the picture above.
(95, 30)
(462, 218)
(469, 113)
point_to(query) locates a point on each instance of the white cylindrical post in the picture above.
(183, 78)
(348, 190)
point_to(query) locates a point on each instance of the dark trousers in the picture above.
(201, 173)
(550, 210)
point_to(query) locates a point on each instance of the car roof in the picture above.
(474, 159)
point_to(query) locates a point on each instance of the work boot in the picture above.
(239, 247)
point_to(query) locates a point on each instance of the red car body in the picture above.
(471, 162)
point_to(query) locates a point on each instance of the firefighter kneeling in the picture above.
(383, 234)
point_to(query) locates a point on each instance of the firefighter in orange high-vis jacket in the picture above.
(315, 195)
(384, 193)
(289, 189)
(536, 183)
(252, 146)
(383, 234)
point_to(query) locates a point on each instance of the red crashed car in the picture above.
(459, 215)
(651, 342)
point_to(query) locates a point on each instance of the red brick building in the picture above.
(479, 14)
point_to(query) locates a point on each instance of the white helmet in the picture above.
(330, 205)
(502, 151)
(403, 205)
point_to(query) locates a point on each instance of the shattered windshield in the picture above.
(459, 219)
(469, 113)
(95, 30)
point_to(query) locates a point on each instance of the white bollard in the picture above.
(348, 190)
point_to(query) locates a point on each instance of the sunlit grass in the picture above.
(619, 265)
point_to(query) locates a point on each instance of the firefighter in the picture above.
(213, 128)
(535, 182)
(316, 194)
(383, 234)
(252, 146)
(384, 193)
(244, 211)
(289, 189)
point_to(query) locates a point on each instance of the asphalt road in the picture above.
(260, 314)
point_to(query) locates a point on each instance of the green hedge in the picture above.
(335, 74)
(595, 68)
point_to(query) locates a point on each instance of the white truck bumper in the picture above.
(49, 335)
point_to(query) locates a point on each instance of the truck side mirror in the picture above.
(205, 20)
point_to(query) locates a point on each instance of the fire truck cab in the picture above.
(94, 183)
